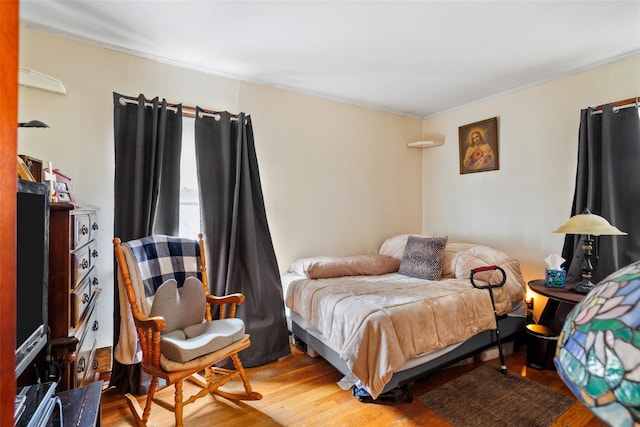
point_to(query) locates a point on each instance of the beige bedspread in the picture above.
(379, 322)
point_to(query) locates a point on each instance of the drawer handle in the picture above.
(85, 298)
(84, 229)
(95, 281)
(95, 364)
(84, 264)
(81, 364)
(96, 325)
(94, 253)
(95, 226)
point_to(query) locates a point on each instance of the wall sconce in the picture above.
(33, 124)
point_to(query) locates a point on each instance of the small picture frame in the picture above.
(61, 185)
(478, 143)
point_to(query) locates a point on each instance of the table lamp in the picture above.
(590, 225)
(598, 350)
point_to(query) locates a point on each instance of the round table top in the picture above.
(558, 294)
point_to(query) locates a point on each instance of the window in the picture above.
(189, 200)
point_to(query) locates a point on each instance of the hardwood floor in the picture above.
(301, 391)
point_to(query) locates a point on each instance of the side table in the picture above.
(542, 338)
(561, 302)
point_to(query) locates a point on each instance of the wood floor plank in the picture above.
(301, 391)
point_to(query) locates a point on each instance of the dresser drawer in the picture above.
(81, 229)
(95, 284)
(93, 226)
(81, 297)
(93, 253)
(80, 265)
(85, 366)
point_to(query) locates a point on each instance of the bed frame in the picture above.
(509, 327)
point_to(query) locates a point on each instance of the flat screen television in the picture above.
(32, 272)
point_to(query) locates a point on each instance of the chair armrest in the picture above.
(221, 304)
(148, 329)
(156, 323)
(231, 298)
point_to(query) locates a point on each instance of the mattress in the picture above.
(377, 323)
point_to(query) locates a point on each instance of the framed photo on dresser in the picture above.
(61, 185)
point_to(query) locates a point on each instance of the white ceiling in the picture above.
(415, 58)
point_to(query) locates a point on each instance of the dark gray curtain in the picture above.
(608, 184)
(241, 256)
(148, 144)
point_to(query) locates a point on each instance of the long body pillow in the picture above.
(323, 267)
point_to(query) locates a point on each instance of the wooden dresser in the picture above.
(73, 292)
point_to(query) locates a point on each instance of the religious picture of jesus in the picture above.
(479, 146)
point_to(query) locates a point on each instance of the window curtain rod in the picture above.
(625, 103)
(187, 111)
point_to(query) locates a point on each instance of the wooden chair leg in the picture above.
(152, 391)
(178, 403)
(243, 375)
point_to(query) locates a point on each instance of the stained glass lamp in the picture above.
(598, 350)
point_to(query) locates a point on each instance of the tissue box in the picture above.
(555, 278)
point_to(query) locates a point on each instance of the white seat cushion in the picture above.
(197, 340)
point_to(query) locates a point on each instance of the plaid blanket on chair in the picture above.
(165, 257)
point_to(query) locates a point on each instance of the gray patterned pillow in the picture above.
(423, 257)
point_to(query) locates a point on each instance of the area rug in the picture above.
(486, 397)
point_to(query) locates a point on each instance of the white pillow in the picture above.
(394, 246)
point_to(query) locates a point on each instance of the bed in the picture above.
(385, 319)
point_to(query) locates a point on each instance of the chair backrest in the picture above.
(143, 266)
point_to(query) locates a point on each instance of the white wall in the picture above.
(517, 207)
(337, 179)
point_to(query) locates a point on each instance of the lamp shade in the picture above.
(588, 223)
(598, 350)
(33, 124)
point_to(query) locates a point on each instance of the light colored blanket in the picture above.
(128, 349)
(380, 322)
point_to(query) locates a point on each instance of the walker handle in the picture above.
(488, 268)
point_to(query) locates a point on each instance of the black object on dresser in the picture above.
(73, 292)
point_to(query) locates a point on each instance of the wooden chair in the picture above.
(152, 335)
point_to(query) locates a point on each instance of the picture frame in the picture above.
(62, 185)
(478, 144)
(23, 171)
(34, 165)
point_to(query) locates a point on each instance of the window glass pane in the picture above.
(189, 201)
